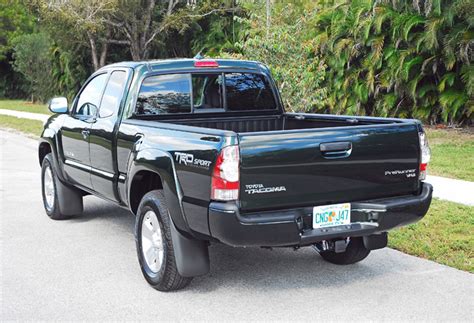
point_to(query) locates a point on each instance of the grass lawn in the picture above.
(452, 153)
(444, 235)
(20, 105)
(27, 126)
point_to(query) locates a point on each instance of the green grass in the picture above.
(27, 126)
(444, 235)
(19, 105)
(452, 153)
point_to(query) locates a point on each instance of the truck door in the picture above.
(102, 136)
(76, 129)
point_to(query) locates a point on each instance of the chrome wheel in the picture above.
(49, 190)
(152, 242)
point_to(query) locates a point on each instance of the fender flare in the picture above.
(50, 137)
(161, 163)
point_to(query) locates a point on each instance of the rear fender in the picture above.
(161, 162)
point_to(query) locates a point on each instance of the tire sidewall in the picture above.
(150, 204)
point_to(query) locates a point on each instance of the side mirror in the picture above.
(58, 105)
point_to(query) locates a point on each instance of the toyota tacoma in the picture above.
(202, 151)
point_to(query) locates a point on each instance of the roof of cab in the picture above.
(187, 63)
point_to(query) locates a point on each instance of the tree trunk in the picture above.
(105, 47)
(95, 60)
(268, 17)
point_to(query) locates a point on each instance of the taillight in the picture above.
(225, 175)
(425, 155)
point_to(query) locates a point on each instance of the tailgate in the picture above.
(323, 166)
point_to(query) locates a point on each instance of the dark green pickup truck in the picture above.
(202, 151)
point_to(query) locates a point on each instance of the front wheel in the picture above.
(355, 252)
(49, 189)
(154, 246)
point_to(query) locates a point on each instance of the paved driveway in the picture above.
(86, 269)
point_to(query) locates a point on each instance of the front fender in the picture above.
(162, 163)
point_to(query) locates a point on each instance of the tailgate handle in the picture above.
(336, 149)
(211, 138)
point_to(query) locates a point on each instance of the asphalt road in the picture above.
(86, 269)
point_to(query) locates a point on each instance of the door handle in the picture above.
(85, 133)
(138, 142)
(340, 149)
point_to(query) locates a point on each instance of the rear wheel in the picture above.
(355, 252)
(154, 246)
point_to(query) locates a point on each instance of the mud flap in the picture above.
(69, 198)
(191, 255)
(376, 241)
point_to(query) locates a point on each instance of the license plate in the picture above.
(331, 215)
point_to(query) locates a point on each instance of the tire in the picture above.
(154, 246)
(355, 252)
(49, 189)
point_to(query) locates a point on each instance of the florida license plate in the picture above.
(331, 215)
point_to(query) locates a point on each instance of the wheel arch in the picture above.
(49, 143)
(43, 149)
(154, 169)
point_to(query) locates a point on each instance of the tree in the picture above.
(32, 59)
(15, 20)
(288, 48)
(79, 23)
(140, 24)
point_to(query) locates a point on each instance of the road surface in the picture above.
(86, 269)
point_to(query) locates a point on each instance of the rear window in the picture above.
(247, 91)
(207, 92)
(186, 93)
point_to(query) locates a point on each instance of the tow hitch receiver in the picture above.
(337, 246)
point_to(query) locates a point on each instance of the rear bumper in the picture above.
(294, 227)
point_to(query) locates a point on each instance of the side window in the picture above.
(89, 99)
(163, 94)
(207, 91)
(113, 94)
(246, 91)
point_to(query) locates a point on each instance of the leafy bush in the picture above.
(289, 52)
(32, 59)
(378, 58)
(396, 58)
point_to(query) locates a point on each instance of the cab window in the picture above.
(113, 94)
(89, 99)
(163, 94)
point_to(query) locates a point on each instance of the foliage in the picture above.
(31, 54)
(395, 58)
(289, 51)
(370, 57)
(15, 20)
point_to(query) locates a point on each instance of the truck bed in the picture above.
(288, 121)
(367, 158)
